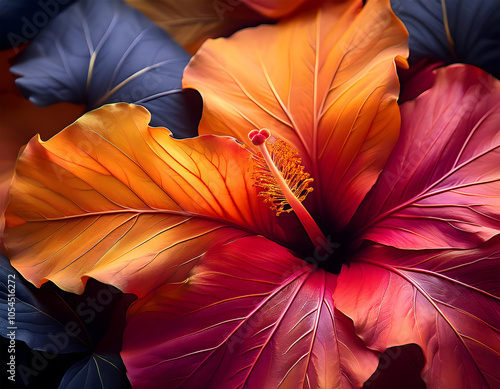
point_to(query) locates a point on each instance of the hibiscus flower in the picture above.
(245, 276)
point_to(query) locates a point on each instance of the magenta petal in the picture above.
(250, 314)
(440, 187)
(445, 301)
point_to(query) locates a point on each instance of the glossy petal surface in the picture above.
(446, 301)
(99, 52)
(137, 207)
(250, 315)
(325, 82)
(441, 186)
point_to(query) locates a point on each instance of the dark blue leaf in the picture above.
(33, 369)
(474, 27)
(99, 52)
(97, 371)
(22, 20)
(28, 319)
(48, 330)
(49, 319)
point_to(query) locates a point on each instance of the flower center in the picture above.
(283, 181)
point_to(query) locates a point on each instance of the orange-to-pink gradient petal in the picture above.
(116, 200)
(325, 82)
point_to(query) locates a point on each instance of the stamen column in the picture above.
(259, 138)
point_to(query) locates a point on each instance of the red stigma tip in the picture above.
(258, 137)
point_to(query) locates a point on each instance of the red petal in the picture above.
(250, 315)
(445, 301)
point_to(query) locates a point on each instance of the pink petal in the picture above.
(440, 187)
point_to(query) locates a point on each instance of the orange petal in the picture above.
(116, 200)
(325, 82)
(191, 22)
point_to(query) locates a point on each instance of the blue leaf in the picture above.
(99, 52)
(97, 371)
(474, 28)
(28, 319)
(22, 20)
(49, 319)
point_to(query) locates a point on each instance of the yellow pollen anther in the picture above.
(280, 175)
(288, 163)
